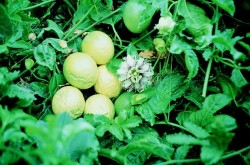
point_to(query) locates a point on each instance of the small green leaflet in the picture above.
(45, 55)
(228, 86)
(41, 89)
(25, 95)
(7, 77)
(55, 82)
(181, 152)
(6, 28)
(192, 63)
(238, 79)
(113, 65)
(227, 5)
(211, 105)
(184, 139)
(52, 26)
(196, 130)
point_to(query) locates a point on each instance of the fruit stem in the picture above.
(78, 23)
(94, 24)
(38, 5)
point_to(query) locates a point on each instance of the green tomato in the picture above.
(133, 16)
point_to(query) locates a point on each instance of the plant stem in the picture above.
(94, 24)
(117, 35)
(205, 85)
(172, 124)
(235, 153)
(209, 66)
(78, 23)
(112, 154)
(124, 49)
(69, 4)
(38, 5)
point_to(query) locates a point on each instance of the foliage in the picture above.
(196, 111)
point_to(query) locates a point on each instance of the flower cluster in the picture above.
(165, 25)
(135, 74)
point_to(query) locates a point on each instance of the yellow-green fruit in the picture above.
(99, 46)
(99, 104)
(80, 70)
(68, 99)
(107, 83)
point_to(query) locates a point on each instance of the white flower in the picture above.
(165, 25)
(135, 73)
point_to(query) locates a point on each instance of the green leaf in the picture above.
(228, 86)
(14, 7)
(224, 41)
(167, 90)
(55, 82)
(25, 95)
(192, 63)
(196, 130)
(45, 55)
(184, 139)
(210, 154)
(41, 89)
(116, 130)
(238, 79)
(131, 122)
(223, 123)
(227, 5)
(132, 50)
(113, 65)
(6, 28)
(211, 105)
(215, 102)
(149, 144)
(181, 152)
(197, 23)
(54, 42)
(20, 44)
(52, 26)
(7, 77)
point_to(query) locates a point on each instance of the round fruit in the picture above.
(123, 101)
(132, 15)
(107, 83)
(99, 46)
(68, 99)
(99, 104)
(80, 70)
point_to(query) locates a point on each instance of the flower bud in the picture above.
(165, 25)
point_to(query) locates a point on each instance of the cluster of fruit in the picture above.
(84, 70)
